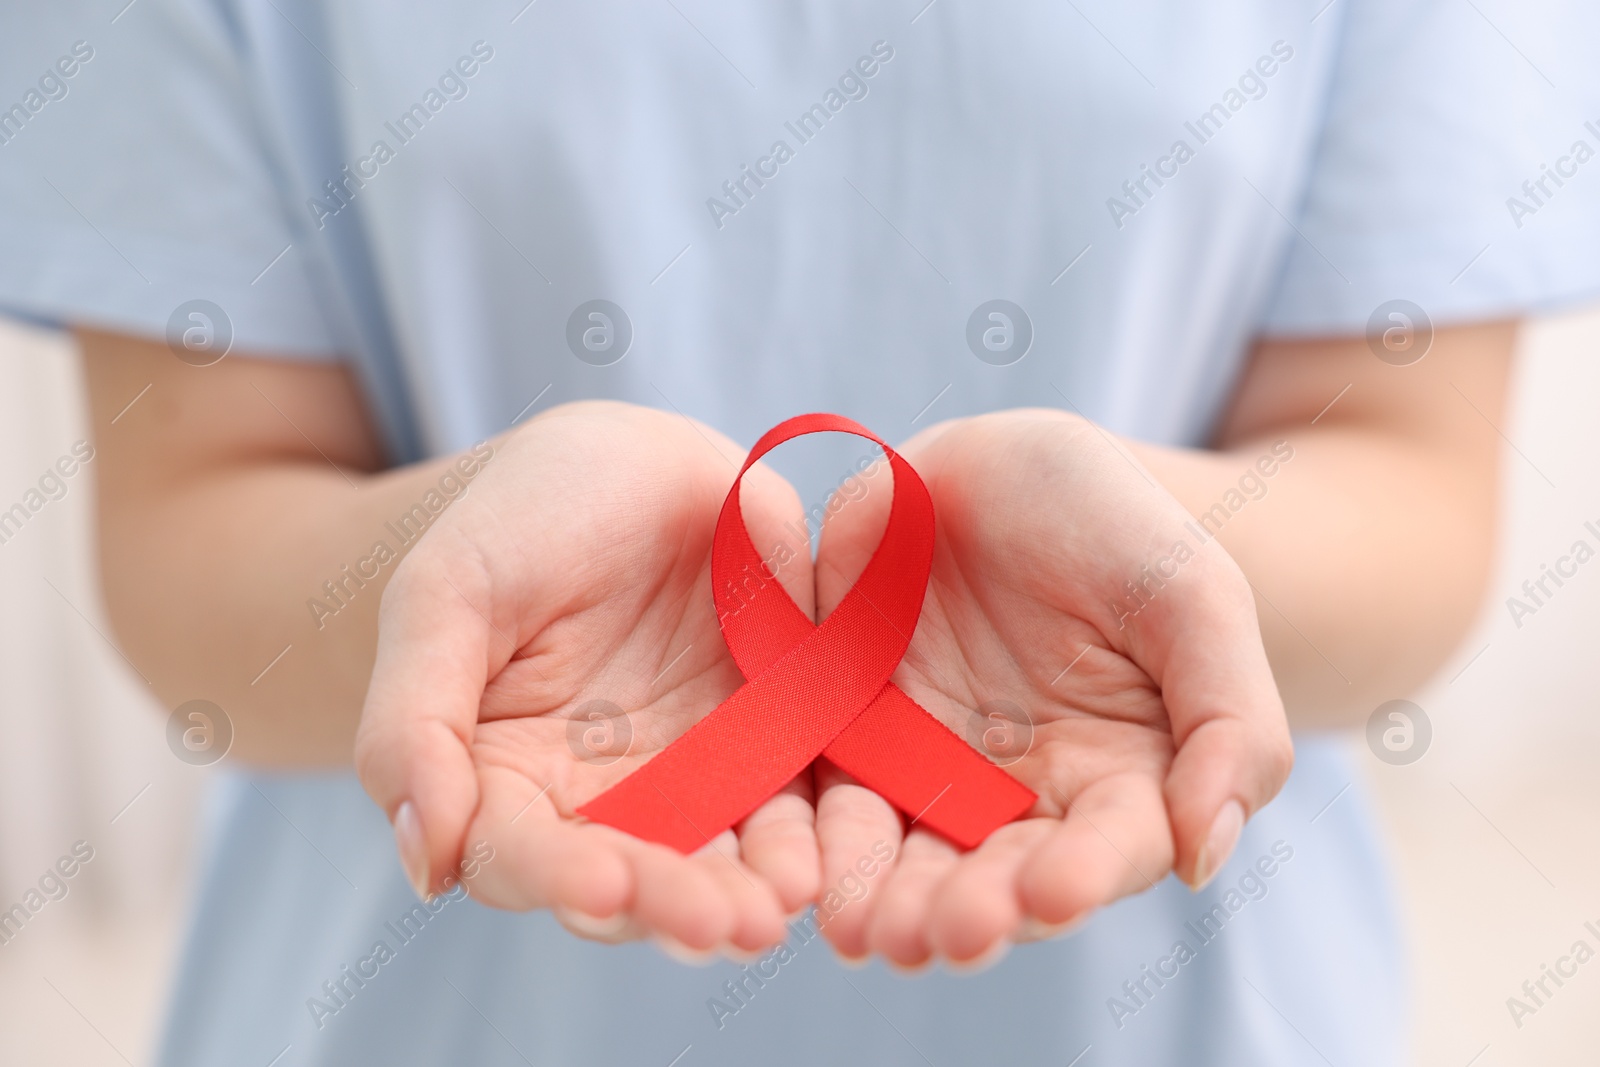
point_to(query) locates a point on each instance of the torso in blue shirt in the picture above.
(797, 206)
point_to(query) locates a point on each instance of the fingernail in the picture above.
(742, 956)
(910, 970)
(413, 847)
(1033, 929)
(593, 926)
(693, 957)
(1219, 844)
(983, 960)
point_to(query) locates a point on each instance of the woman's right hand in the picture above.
(551, 631)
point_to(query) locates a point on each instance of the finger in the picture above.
(975, 909)
(540, 860)
(412, 747)
(606, 885)
(858, 832)
(898, 929)
(678, 897)
(757, 915)
(1233, 746)
(1115, 841)
(617, 930)
(1222, 774)
(779, 842)
(1032, 929)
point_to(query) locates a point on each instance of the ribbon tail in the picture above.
(911, 759)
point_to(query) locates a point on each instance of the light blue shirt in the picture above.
(796, 206)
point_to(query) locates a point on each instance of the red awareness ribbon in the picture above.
(816, 690)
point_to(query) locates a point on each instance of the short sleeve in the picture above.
(1458, 167)
(134, 177)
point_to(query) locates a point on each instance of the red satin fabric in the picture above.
(816, 690)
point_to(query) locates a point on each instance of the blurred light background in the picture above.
(1492, 832)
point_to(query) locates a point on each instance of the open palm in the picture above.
(551, 633)
(1148, 725)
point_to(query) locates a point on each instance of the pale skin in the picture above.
(577, 568)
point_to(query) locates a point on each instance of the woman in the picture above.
(1255, 259)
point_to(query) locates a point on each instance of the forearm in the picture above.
(1368, 556)
(247, 570)
(1370, 547)
(259, 590)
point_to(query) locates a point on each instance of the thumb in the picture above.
(413, 750)
(1233, 747)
